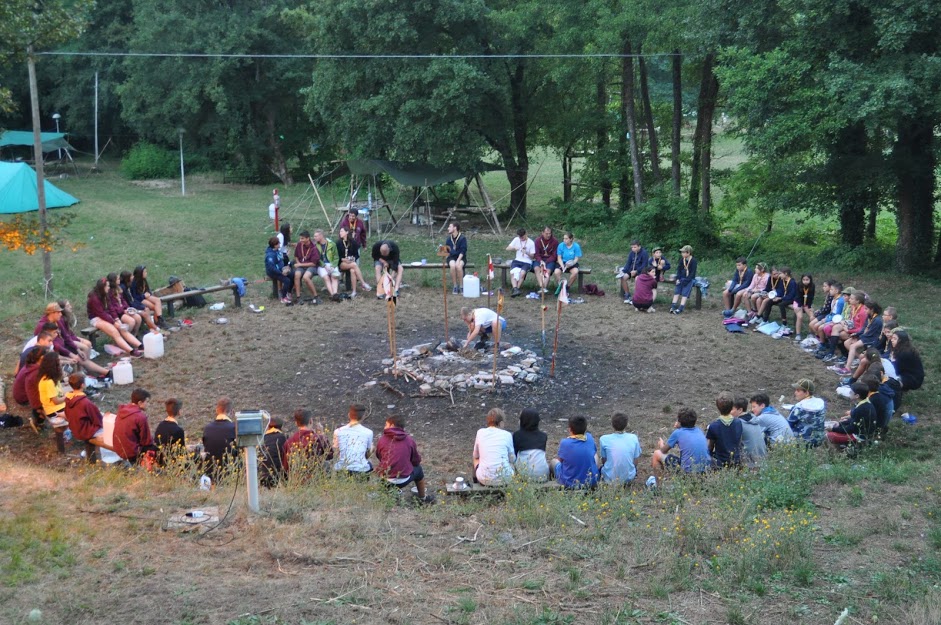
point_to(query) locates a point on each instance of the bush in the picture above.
(669, 221)
(146, 161)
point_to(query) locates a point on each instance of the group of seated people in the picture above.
(121, 305)
(850, 331)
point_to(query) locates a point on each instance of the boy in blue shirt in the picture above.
(617, 452)
(694, 452)
(685, 275)
(575, 466)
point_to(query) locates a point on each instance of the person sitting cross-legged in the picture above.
(307, 445)
(694, 449)
(575, 466)
(399, 460)
(617, 453)
(84, 417)
(353, 444)
(132, 439)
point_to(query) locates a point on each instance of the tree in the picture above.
(25, 28)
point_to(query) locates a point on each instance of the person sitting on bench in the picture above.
(457, 256)
(100, 317)
(547, 255)
(277, 271)
(306, 259)
(348, 251)
(523, 263)
(329, 268)
(70, 356)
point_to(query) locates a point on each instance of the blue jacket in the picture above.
(636, 261)
(790, 291)
(684, 276)
(739, 284)
(871, 332)
(666, 266)
(274, 261)
(457, 248)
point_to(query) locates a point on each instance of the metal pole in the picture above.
(182, 172)
(251, 475)
(96, 121)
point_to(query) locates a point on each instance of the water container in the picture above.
(471, 286)
(123, 372)
(153, 345)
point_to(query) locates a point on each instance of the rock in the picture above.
(442, 383)
(425, 388)
(484, 377)
(514, 369)
(507, 379)
(370, 383)
(529, 362)
(481, 385)
(532, 377)
(458, 378)
(387, 361)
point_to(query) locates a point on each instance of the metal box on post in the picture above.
(250, 427)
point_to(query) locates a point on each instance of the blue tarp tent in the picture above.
(18, 190)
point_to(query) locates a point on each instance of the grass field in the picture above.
(807, 536)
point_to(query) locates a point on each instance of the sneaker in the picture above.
(336, 297)
(136, 353)
(831, 358)
(427, 499)
(543, 290)
(841, 370)
(366, 287)
(353, 295)
(628, 301)
(675, 311)
(651, 309)
(286, 301)
(846, 381)
(820, 354)
(454, 291)
(728, 312)
(380, 296)
(516, 292)
(797, 338)
(779, 334)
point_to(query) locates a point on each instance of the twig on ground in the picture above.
(526, 544)
(463, 539)
(577, 520)
(391, 388)
(280, 570)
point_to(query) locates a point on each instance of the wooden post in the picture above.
(443, 255)
(542, 292)
(489, 272)
(390, 313)
(497, 331)
(555, 346)
(317, 193)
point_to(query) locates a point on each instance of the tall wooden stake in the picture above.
(390, 313)
(489, 264)
(40, 173)
(497, 333)
(443, 255)
(542, 292)
(555, 345)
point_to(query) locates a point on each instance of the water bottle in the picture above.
(651, 482)
(205, 483)
(909, 418)
(67, 435)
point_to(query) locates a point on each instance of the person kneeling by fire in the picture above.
(480, 323)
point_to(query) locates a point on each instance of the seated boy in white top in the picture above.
(353, 444)
(523, 263)
(493, 451)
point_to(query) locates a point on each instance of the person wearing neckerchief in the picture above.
(865, 336)
(685, 275)
(355, 226)
(457, 256)
(860, 423)
(781, 297)
(574, 465)
(219, 441)
(306, 261)
(348, 251)
(739, 282)
(547, 252)
(271, 462)
(169, 435)
(804, 304)
(724, 435)
(637, 261)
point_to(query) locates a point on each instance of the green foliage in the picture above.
(668, 221)
(868, 257)
(146, 161)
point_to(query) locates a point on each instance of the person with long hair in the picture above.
(348, 251)
(140, 292)
(100, 317)
(126, 281)
(52, 399)
(908, 365)
(67, 350)
(284, 238)
(119, 309)
(66, 323)
(804, 304)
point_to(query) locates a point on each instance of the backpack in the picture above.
(193, 301)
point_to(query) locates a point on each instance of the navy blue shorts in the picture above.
(683, 289)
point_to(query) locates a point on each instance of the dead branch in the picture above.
(391, 389)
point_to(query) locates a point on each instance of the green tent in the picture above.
(18, 190)
(51, 141)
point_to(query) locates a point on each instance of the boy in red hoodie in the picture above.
(132, 438)
(84, 417)
(399, 460)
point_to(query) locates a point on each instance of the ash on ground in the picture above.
(444, 366)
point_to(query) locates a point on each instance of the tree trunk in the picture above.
(677, 119)
(520, 175)
(627, 96)
(852, 196)
(278, 164)
(871, 223)
(914, 164)
(40, 172)
(705, 107)
(567, 175)
(648, 118)
(601, 141)
(711, 82)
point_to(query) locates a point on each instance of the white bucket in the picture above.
(471, 286)
(123, 372)
(153, 345)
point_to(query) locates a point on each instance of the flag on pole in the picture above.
(564, 294)
(489, 266)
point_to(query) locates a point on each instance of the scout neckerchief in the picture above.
(223, 417)
(869, 323)
(454, 240)
(741, 275)
(323, 252)
(352, 224)
(303, 251)
(686, 262)
(806, 290)
(578, 437)
(775, 282)
(545, 246)
(787, 281)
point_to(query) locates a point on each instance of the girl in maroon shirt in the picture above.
(101, 318)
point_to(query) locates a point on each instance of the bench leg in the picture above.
(238, 298)
(503, 277)
(580, 275)
(348, 279)
(274, 290)
(698, 299)
(170, 312)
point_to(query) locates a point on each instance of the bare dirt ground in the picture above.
(314, 565)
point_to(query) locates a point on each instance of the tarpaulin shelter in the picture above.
(18, 190)
(51, 141)
(422, 177)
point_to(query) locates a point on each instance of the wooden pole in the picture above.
(320, 201)
(489, 287)
(40, 173)
(555, 346)
(443, 255)
(390, 314)
(542, 292)
(496, 336)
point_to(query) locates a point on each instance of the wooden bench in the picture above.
(91, 333)
(505, 268)
(170, 299)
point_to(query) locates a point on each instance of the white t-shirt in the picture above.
(494, 448)
(32, 343)
(522, 248)
(484, 317)
(352, 444)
